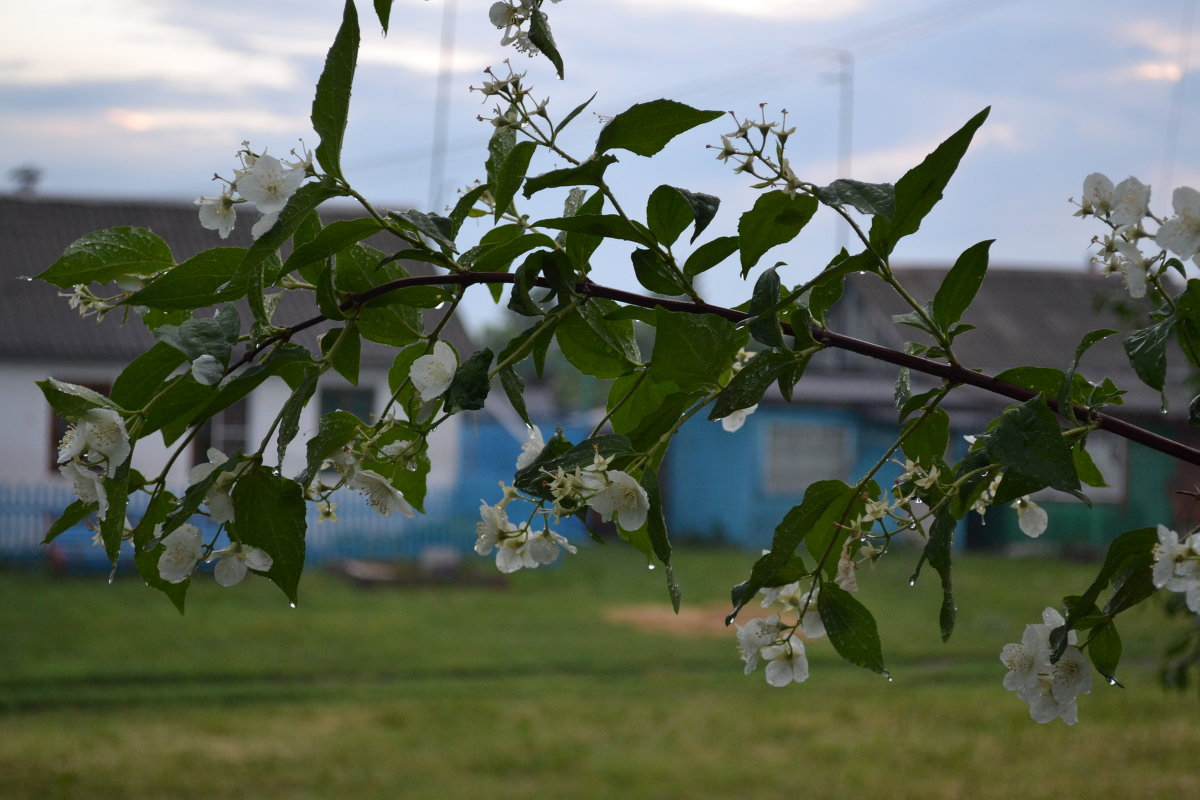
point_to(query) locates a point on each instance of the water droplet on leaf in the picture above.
(912, 581)
(649, 566)
(292, 605)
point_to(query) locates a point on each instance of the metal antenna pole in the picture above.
(441, 114)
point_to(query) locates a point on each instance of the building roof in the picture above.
(1024, 317)
(37, 324)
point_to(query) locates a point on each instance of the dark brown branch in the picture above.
(953, 373)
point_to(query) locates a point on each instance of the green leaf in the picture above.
(610, 226)
(146, 562)
(331, 106)
(878, 199)
(510, 175)
(655, 274)
(383, 10)
(634, 397)
(824, 503)
(335, 430)
(106, 255)
(1027, 440)
(580, 246)
(589, 173)
(497, 258)
(670, 210)
(144, 376)
(269, 514)
(289, 422)
(196, 283)
(1065, 392)
(539, 35)
(470, 385)
(960, 285)
(927, 437)
(710, 254)
(775, 219)
(71, 401)
(597, 346)
(1104, 650)
(693, 351)
(333, 238)
(342, 347)
(765, 325)
(432, 226)
(748, 386)
(937, 552)
(574, 112)
(514, 389)
(532, 479)
(1147, 351)
(465, 207)
(253, 269)
(851, 628)
(199, 336)
(656, 528)
(72, 515)
(646, 128)
(921, 188)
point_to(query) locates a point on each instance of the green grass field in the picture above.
(106, 692)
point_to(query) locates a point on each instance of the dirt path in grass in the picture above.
(690, 621)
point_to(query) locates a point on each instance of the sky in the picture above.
(150, 98)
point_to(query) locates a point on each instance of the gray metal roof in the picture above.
(37, 324)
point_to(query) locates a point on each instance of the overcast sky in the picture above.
(148, 98)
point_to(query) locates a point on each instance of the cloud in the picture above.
(123, 41)
(777, 10)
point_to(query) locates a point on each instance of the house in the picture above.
(737, 487)
(41, 336)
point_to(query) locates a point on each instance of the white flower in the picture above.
(1097, 195)
(794, 599)
(217, 213)
(754, 636)
(381, 495)
(544, 546)
(786, 662)
(217, 497)
(1181, 234)
(492, 526)
(1050, 689)
(512, 552)
(268, 184)
(1132, 264)
(735, 420)
(532, 448)
(207, 370)
(100, 432)
(234, 561)
(847, 570)
(1030, 517)
(264, 224)
(1130, 203)
(183, 548)
(617, 494)
(88, 485)
(431, 375)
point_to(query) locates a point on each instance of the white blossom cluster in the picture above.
(183, 549)
(1177, 565)
(263, 180)
(93, 449)
(510, 15)
(613, 494)
(772, 640)
(1050, 689)
(1125, 207)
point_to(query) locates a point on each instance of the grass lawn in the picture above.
(106, 692)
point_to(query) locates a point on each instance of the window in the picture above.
(798, 455)
(358, 401)
(228, 431)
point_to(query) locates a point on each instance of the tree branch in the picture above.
(950, 372)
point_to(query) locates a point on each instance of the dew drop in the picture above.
(24, 278)
(292, 605)
(649, 566)
(912, 581)
(112, 575)
(1112, 681)
(888, 675)
(918, 501)
(1163, 409)
(912, 526)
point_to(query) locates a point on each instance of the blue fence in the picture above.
(26, 512)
